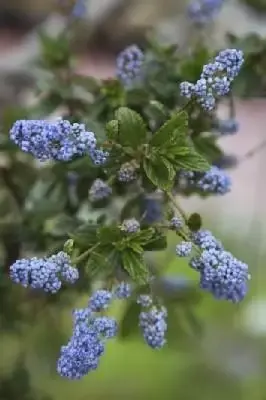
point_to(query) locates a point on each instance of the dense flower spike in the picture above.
(81, 316)
(63, 261)
(215, 80)
(81, 355)
(123, 291)
(99, 190)
(220, 272)
(99, 157)
(130, 226)
(204, 11)
(100, 300)
(59, 140)
(153, 325)
(187, 89)
(206, 240)
(84, 349)
(184, 249)
(44, 273)
(231, 61)
(106, 327)
(127, 173)
(129, 64)
(144, 300)
(214, 181)
(223, 275)
(176, 223)
(228, 127)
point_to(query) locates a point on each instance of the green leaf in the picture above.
(208, 147)
(55, 50)
(194, 222)
(85, 235)
(137, 97)
(69, 246)
(132, 130)
(112, 131)
(156, 243)
(129, 322)
(160, 172)
(109, 234)
(144, 236)
(99, 262)
(192, 162)
(136, 247)
(157, 113)
(134, 264)
(170, 131)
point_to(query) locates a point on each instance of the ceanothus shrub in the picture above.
(141, 137)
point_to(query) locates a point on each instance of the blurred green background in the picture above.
(222, 357)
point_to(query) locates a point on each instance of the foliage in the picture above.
(150, 144)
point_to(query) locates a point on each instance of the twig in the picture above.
(176, 205)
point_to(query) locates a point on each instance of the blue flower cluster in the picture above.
(215, 80)
(44, 273)
(228, 126)
(58, 140)
(145, 300)
(214, 181)
(184, 249)
(129, 65)
(152, 322)
(130, 226)
(100, 300)
(203, 11)
(127, 173)
(153, 325)
(176, 223)
(99, 191)
(90, 331)
(221, 274)
(205, 240)
(86, 345)
(98, 156)
(123, 291)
